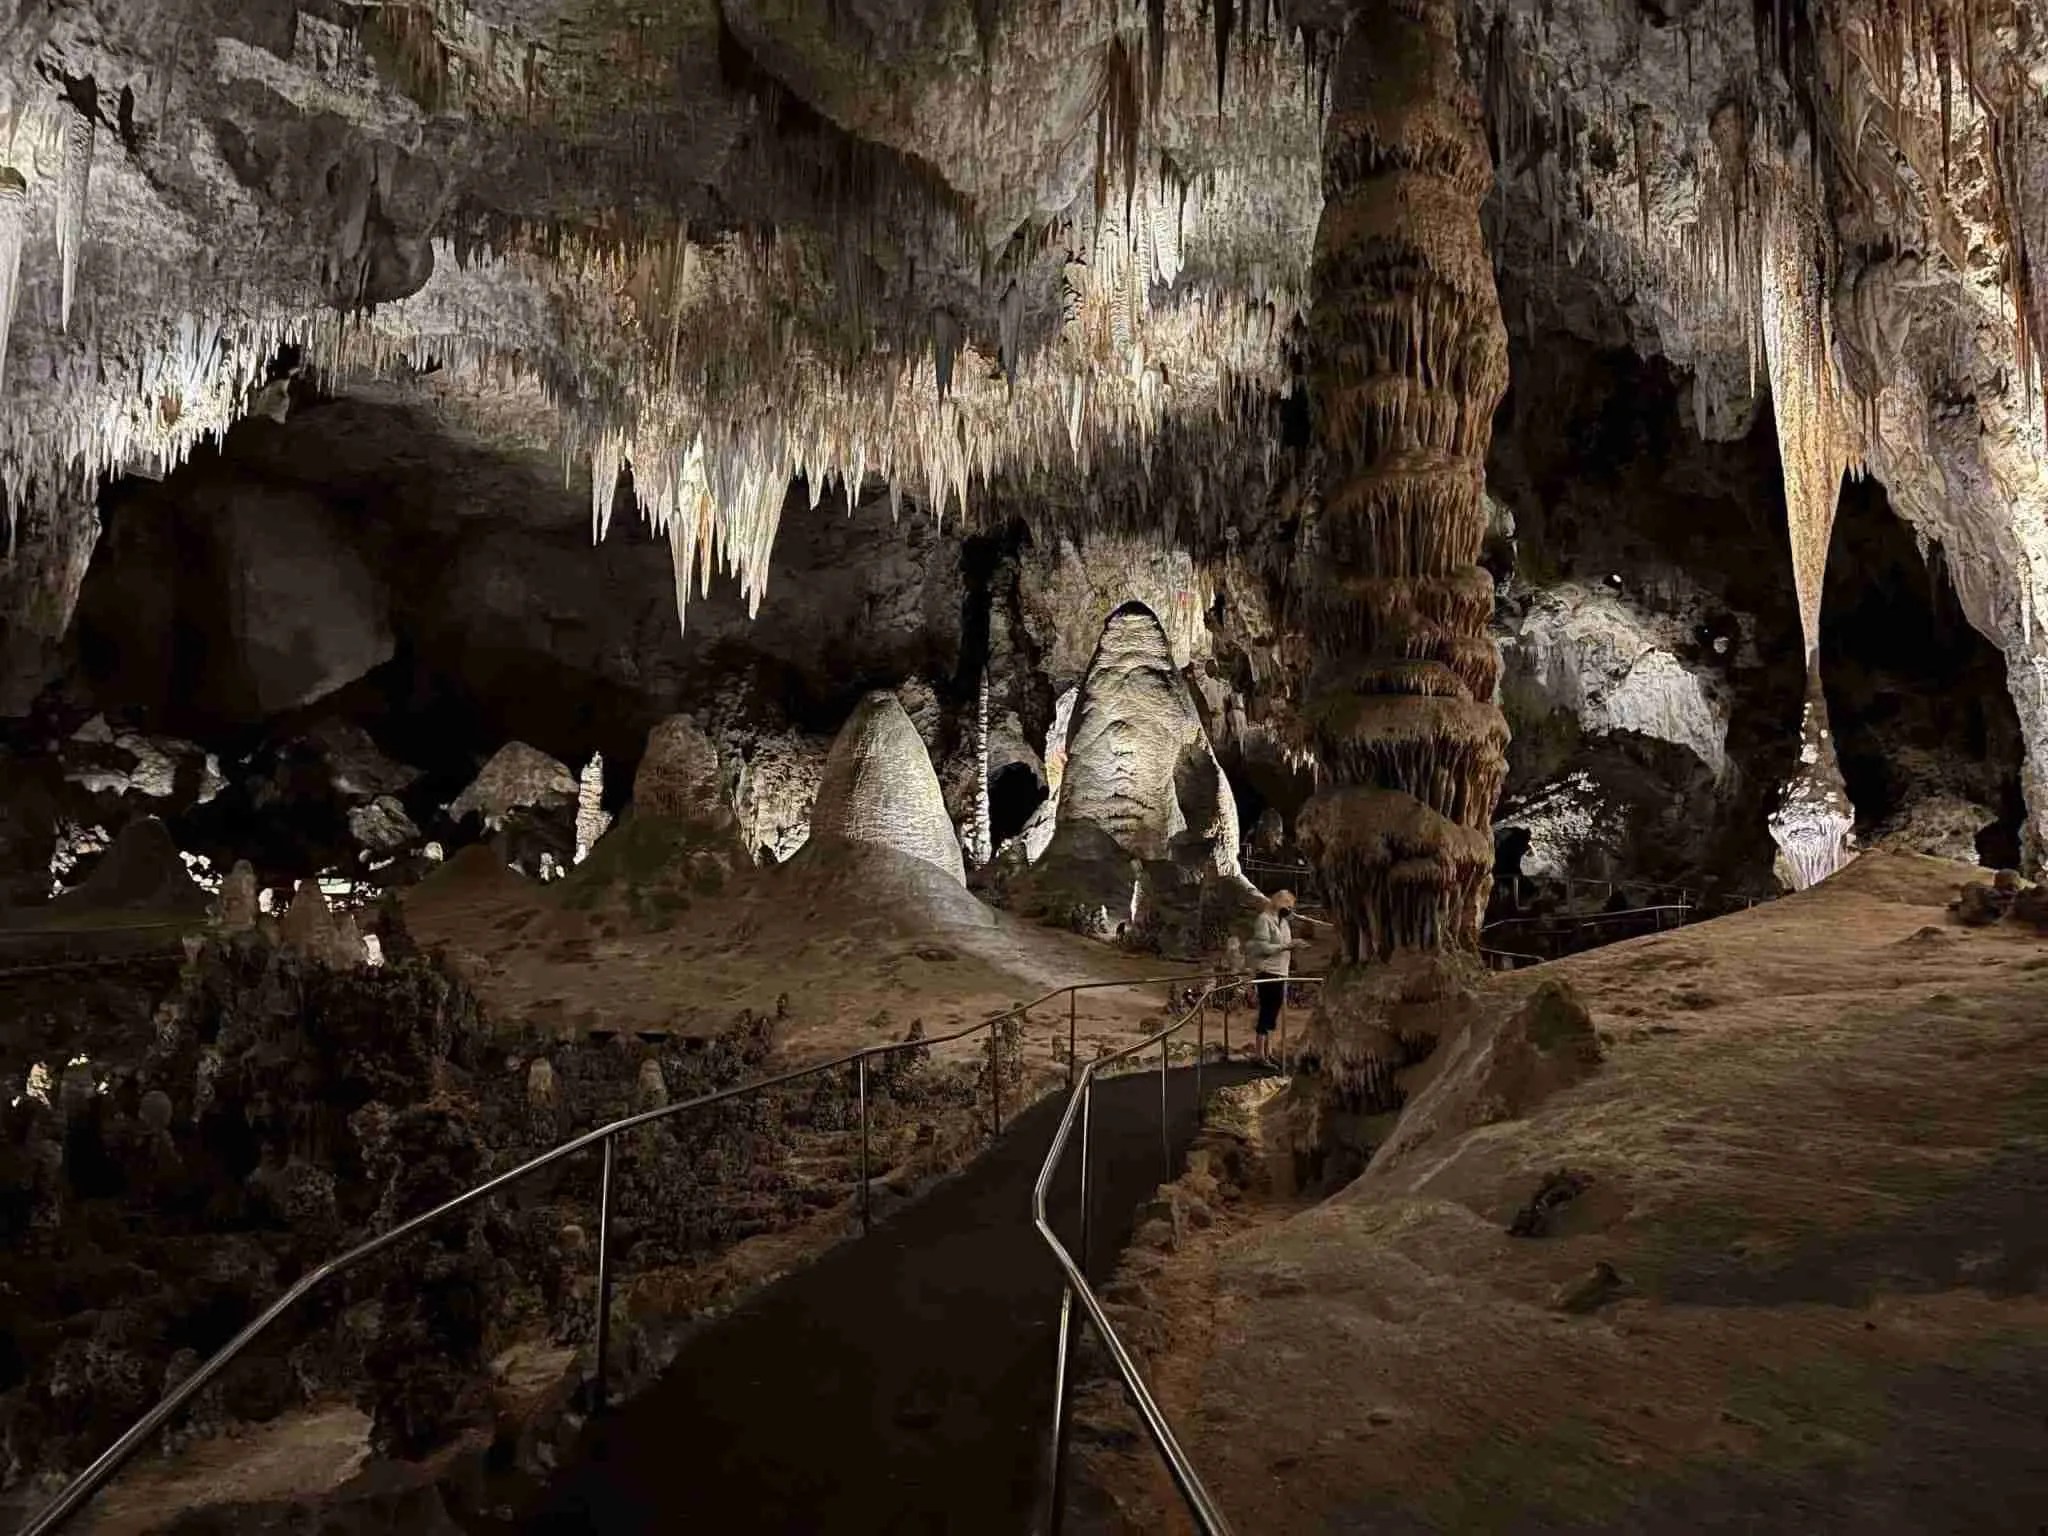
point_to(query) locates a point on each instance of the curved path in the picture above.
(903, 1382)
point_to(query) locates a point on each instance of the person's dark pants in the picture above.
(1272, 992)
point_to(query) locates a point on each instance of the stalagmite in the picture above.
(984, 834)
(1813, 820)
(1408, 360)
(591, 817)
(879, 788)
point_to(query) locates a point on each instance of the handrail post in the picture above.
(1165, 1131)
(995, 1073)
(1201, 1043)
(860, 1069)
(604, 1273)
(1062, 1368)
(1087, 1118)
(1226, 1023)
(1073, 995)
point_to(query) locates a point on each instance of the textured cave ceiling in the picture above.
(993, 251)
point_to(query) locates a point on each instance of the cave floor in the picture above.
(841, 960)
(903, 1382)
(1818, 1160)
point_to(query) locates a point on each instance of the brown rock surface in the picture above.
(1801, 1280)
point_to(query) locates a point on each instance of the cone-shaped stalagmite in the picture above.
(1408, 361)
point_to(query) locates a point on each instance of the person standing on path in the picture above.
(1271, 952)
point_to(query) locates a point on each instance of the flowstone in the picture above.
(1143, 841)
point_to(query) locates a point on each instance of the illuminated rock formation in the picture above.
(517, 777)
(1128, 730)
(879, 788)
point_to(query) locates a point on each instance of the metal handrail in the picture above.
(1581, 919)
(1208, 1518)
(82, 1487)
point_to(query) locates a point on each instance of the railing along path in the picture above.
(1202, 1507)
(81, 1488)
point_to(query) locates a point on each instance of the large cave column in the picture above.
(1408, 361)
(1813, 819)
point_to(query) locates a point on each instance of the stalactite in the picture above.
(73, 184)
(13, 234)
(1813, 447)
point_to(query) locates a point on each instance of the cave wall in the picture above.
(1927, 735)
(1649, 633)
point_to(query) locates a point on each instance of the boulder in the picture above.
(381, 825)
(528, 803)
(303, 610)
(517, 777)
(879, 788)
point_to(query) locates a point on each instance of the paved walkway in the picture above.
(900, 1384)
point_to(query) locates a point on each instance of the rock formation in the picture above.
(312, 928)
(1408, 360)
(141, 873)
(518, 777)
(1135, 740)
(879, 789)
(679, 774)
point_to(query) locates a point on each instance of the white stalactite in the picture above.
(13, 233)
(73, 185)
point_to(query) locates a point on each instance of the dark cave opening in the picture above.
(1014, 791)
(1925, 729)
(1629, 530)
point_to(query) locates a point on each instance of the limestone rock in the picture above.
(1130, 726)
(304, 610)
(356, 768)
(382, 826)
(2030, 907)
(238, 899)
(679, 773)
(311, 927)
(879, 788)
(1612, 665)
(517, 777)
(1979, 906)
(1138, 761)
(651, 1091)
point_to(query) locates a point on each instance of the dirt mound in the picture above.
(873, 884)
(142, 874)
(653, 868)
(474, 877)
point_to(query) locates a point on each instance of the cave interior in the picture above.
(564, 555)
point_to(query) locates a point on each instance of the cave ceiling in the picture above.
(996, 250)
